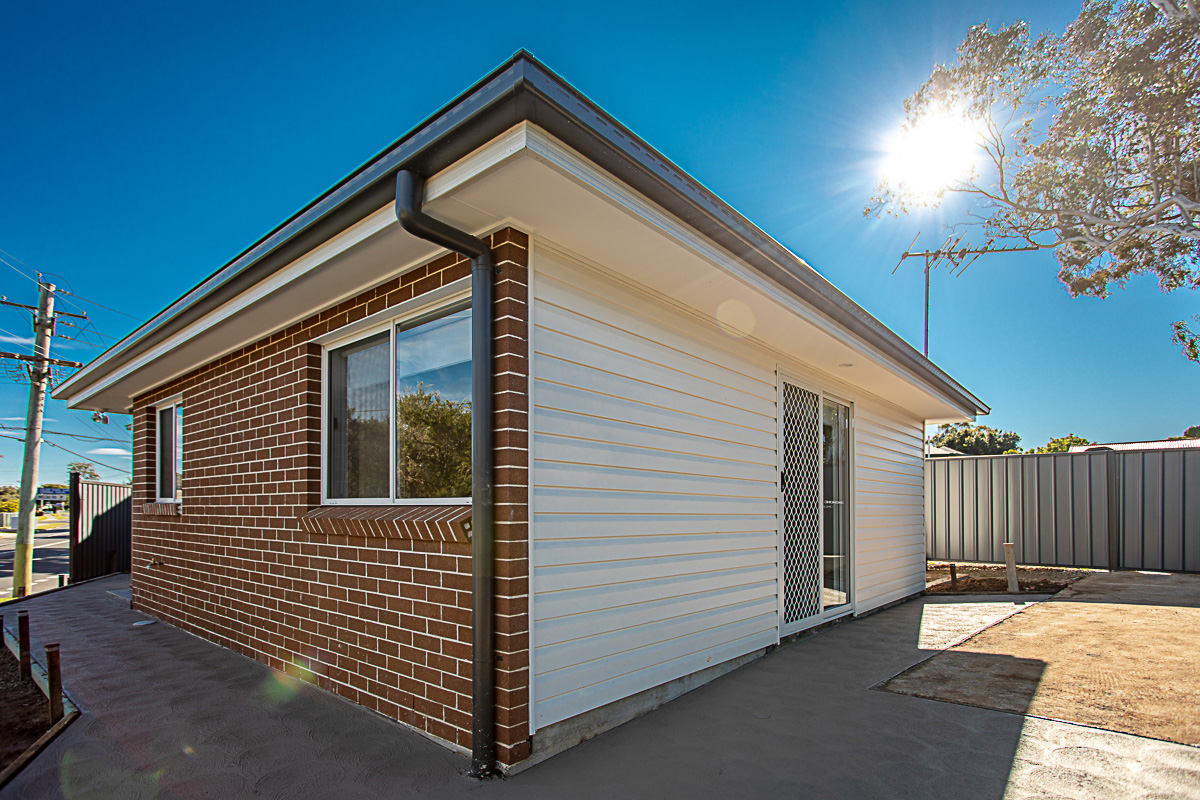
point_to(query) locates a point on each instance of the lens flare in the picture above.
(736, 318)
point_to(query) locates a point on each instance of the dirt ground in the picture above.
(23, 713)
(1115, 651)
(992, 578)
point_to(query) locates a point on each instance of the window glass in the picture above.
(167, 439)
(835, 421)
(178, 415)
(358, 428)
(433, 408)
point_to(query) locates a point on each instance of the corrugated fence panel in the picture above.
(1056, 509)
(653, 492)
(1190, 509)
(101, 524)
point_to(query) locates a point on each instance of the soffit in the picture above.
(527, 179)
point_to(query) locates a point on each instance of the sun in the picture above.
(930, 155)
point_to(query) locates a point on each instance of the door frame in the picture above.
(825, 615)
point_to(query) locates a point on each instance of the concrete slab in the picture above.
(169, 715)
(1115, 651)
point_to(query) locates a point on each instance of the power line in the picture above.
(18, 271)
(101, 305)
(88, 459)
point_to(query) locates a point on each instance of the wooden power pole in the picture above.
(39, 378)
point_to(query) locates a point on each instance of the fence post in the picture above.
(1113, 486)
(54, 683)
(23, 644)
(1010, 565)
(73, 528)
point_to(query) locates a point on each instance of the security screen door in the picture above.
(814, 481)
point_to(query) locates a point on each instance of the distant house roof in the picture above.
(939, 450)
(1162, 444)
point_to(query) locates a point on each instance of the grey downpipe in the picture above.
(410, 189)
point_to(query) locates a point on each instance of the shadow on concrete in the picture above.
(984, 680)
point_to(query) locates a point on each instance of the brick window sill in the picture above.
(425, 523)
(163, 509)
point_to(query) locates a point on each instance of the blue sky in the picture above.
(145, 144)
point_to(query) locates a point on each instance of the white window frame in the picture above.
(452, 297)
(176, 406)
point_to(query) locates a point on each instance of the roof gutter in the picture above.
(523, 89)
(410, 191)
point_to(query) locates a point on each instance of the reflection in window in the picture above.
(433, 408)
(429, 435)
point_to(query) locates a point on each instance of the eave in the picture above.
(521, 90)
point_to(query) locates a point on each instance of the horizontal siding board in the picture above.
(889, 513)
(552, 605)
(582, 428)
(558, 499)
(654, 494)
(562, 449)
(553, 527)
(656, 391)
(571, 338)
(641, 645)
(593, 623)
(579, 677)
(649, 481)
(599, 401)
(640, 325)
(562, 552)
(607, 573)
(556, 709)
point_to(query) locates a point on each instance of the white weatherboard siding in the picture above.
(653, 491)
(889, 506)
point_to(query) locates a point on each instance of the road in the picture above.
(50, 556)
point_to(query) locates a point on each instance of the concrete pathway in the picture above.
(169, 715)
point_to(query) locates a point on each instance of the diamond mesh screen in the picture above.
(801, 483)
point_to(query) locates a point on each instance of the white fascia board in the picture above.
(470, 168)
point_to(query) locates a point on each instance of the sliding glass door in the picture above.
(815, 501)
(835, 425)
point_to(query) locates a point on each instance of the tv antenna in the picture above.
(957, 256)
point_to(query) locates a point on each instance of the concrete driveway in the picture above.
(169, 715)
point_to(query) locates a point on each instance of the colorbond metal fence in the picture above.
(101, 525)
(1105, 509)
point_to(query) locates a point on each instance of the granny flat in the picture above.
(518, 431)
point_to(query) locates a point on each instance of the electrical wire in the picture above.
(15, 269)
(82, 437)
(72, 452)
(100, 305)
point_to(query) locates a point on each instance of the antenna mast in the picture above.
(955, 254)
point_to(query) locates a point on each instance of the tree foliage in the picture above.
(1192, 432)
(433, 445)
(974, 440)
(86, 470)
(1091, 143)
(1062, 444)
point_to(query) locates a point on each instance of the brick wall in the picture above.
(371, 612)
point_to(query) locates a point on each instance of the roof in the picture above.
(1162, 444)
(520, 90)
